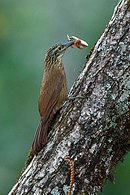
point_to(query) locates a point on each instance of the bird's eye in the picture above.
(60, 48)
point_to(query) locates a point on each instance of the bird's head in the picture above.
(56, 52)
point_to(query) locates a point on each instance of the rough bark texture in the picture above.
(94, 131)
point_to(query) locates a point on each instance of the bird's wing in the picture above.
(48, 99)
(49, 95)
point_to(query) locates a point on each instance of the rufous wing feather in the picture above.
(47, 103)
(40, 138)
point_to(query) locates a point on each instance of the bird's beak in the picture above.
(69, 43)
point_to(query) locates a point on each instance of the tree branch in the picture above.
(93, 131)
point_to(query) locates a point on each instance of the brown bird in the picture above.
(53, 92)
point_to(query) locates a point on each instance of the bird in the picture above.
(53, 92)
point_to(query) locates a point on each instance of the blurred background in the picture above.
(27, 30)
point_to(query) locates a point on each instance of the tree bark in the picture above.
(94, 131)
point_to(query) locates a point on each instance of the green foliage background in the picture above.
(27, 29)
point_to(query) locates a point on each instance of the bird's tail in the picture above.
(40, 138)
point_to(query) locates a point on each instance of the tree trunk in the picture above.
(93, 130)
